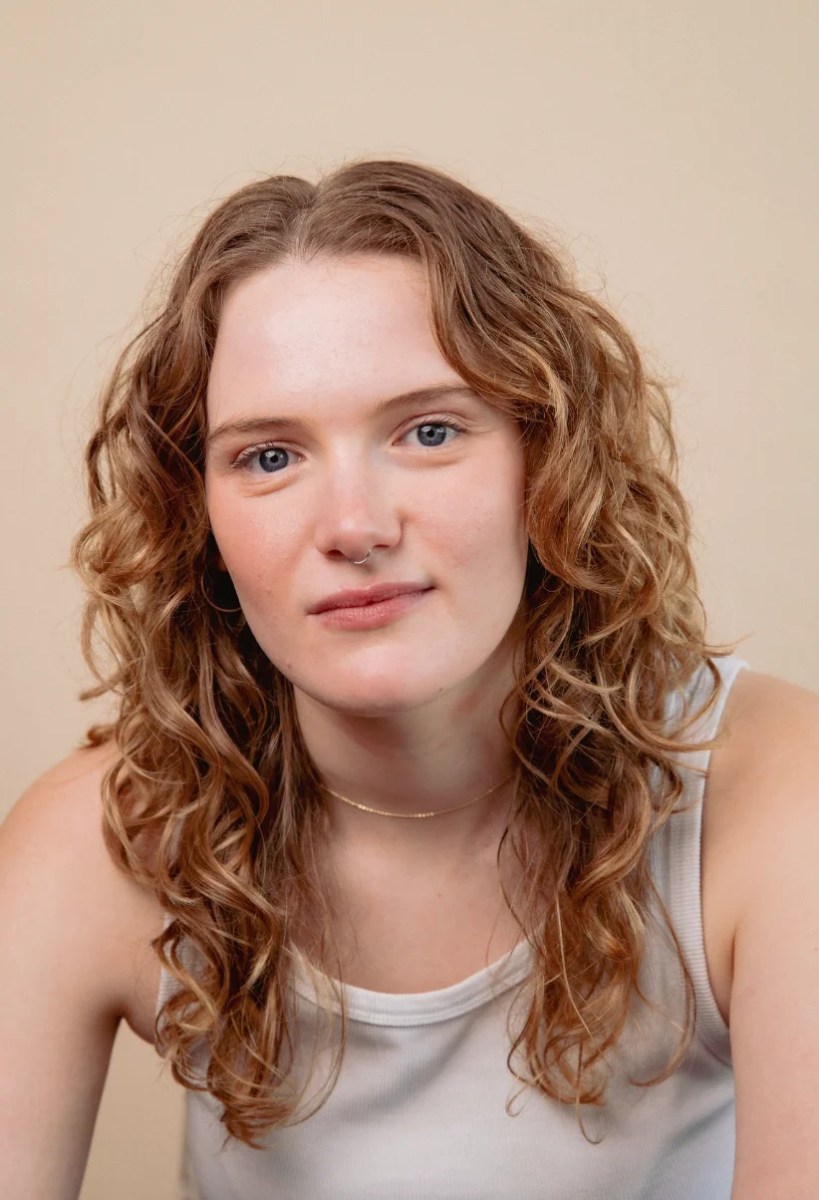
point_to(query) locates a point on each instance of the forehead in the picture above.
(326, 328)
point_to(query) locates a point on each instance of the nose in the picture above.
(356, 513)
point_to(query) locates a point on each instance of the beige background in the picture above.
(672, 146)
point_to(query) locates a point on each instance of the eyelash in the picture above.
(243, 460)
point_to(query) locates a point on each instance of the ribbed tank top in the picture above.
(419, 1106)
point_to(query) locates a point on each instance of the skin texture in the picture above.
(402, 717)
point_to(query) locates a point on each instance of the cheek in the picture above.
(483, 527)
(248, 540)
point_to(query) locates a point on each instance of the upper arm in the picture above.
(61, 898)
(774, 1012)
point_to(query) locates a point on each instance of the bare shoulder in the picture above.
(758, 789)
(74, 930)
(65, 800)
(55, 829)
(763, 797)
(765, 769)
(769, 747)
(763, 698)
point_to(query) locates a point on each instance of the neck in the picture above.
(432, 759)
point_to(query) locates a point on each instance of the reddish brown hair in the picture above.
(211, 770)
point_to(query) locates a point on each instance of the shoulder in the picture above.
(71, 785)
(68, 919)
(762, 809)
(762, 790)
(58, 818)
(56, 870)
(768, 716)
(766, 766)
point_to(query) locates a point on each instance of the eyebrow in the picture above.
(262, 425)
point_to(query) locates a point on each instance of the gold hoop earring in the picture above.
(227, 611)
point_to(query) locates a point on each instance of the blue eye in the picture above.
(269, 457)
(432, 425)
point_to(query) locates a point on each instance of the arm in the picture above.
(774, 1012)
(64, 978)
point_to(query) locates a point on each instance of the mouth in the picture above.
(371, 615)
(361, 597)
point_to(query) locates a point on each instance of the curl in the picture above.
(214, 803)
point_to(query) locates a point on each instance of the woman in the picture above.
(414, 720)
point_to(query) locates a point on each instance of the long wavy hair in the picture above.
(213, 802)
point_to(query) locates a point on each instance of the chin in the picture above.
(369, 701)
(389, 691)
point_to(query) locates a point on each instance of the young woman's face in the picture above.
(309, 354)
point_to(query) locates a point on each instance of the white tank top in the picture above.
(419, 1107)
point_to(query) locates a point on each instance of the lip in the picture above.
(373, 616)
(362, 597)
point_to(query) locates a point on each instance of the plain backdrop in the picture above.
(671, 146)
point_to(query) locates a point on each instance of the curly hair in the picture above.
(212, 801)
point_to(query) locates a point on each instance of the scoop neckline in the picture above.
(412, 1008)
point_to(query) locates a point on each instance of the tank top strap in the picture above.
(676, 849)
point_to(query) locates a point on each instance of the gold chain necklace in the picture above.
(414, 816)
